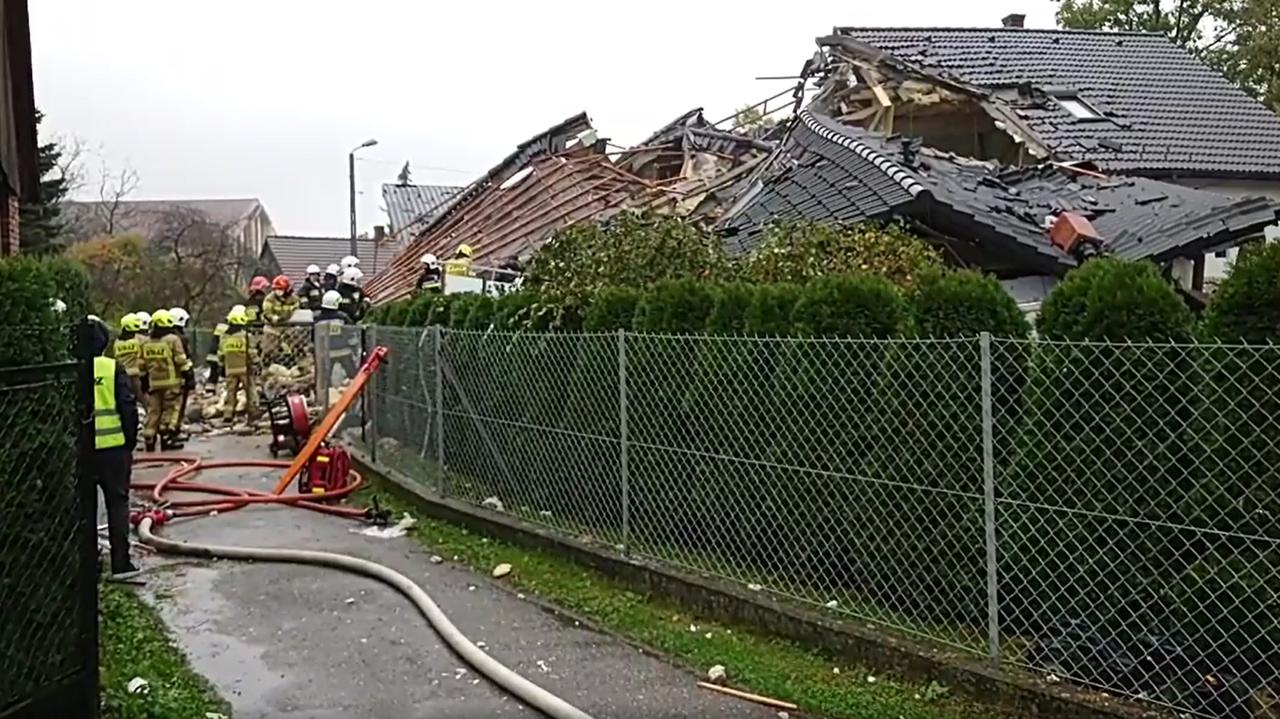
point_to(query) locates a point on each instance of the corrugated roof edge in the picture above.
(884, 164)
(447, 208)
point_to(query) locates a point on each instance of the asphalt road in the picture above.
(285, 641)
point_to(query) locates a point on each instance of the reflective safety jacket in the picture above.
(108, 425)
(332, 328)
(253, 310)
(310, 294)
(278, 308)
(458, 266)
(238, 352)
(218, 332)
(128, 352)
(164, 361)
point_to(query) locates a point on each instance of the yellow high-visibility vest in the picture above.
(108, 432)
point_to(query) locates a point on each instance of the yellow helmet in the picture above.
(465, 250)
(161, 318)
(237, 317)
(131, 323)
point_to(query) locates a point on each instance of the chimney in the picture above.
(1070, 230)
(379, 233)
(1015, 19)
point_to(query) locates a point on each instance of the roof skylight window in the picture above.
(1078, 108)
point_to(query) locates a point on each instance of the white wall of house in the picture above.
(1218, 263)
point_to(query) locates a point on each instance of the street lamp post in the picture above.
(351, 177)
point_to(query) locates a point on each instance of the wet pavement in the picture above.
(296, 642)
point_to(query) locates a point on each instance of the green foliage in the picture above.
(440, 310)
(963, 304)
(769, 312)
(478, 314)
(1236, 38)
(41, 228)
(802, 251)
(729, 308)
(612, 308)
(1246, 307)
(675, 307)
(513, 311)
(28, 284)
(866, 306)
(631, 250)
(135, 643)
(1115, 300)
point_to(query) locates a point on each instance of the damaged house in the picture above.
(567, 174)
(1024, 151)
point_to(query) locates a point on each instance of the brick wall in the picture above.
(8, 223)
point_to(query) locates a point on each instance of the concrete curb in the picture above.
(1019, 696)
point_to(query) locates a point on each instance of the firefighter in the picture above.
(145, 319)
(430, 279)
(127, 351)
(278, 309)
(213, 359)
(258, 288)
(354, 303)
(115, 436)
(331, 327)
(167, 367)
(238, 354)
(330, 279)
(348, 262)
(310, 293)
(461, 262)
(180, 319)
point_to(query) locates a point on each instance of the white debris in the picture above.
(138, 685)
(716, 674)
(1052, 679)
(832, 604)
(783, 715)
(481, 645)
(542, 667)
(349, 600)
(471, 587)
(693, 628)
(214, 715)
(436, 559)
(756, 588)
(459, 673)
(399, 529)
(501, 570)
(519, 596)
(871, 679)
(835, 670)
(493, 503)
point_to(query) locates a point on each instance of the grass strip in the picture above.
(755, 661)
(134, 642)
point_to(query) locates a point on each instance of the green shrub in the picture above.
(1246, 306)
(1107, 429)
(612, 308)
(413, 312)
(864, 306)
(675, 307)
(512, 312)
(1115, 300)
(768, 314)
(963, 304)
(480, 314)
(631, 250)
(802, 251)
(729, 309)
(36, 334)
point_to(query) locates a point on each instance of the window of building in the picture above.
(1078, 108)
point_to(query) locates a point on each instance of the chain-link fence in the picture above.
(1107, 514)
(48, 537)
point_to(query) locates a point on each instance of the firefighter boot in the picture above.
(170, 441)
(149, 444)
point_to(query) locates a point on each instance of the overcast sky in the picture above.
(264, 98)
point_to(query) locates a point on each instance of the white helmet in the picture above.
(331, 300)
(235, 309)
(313, 269)
(430, 260)
(350, 261)
(180, 316)
(144, 319)
(352, 276)
(333, 270)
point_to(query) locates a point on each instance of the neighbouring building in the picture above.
(289, 255)
(244, 221)
(411, 207)
(19, 171)
(1117, 103)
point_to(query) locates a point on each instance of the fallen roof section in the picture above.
(831, 172)
(1127, 101)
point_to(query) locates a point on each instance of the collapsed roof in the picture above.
(410, 206)
(1124, 101)
(566, 175)
(989, 214)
